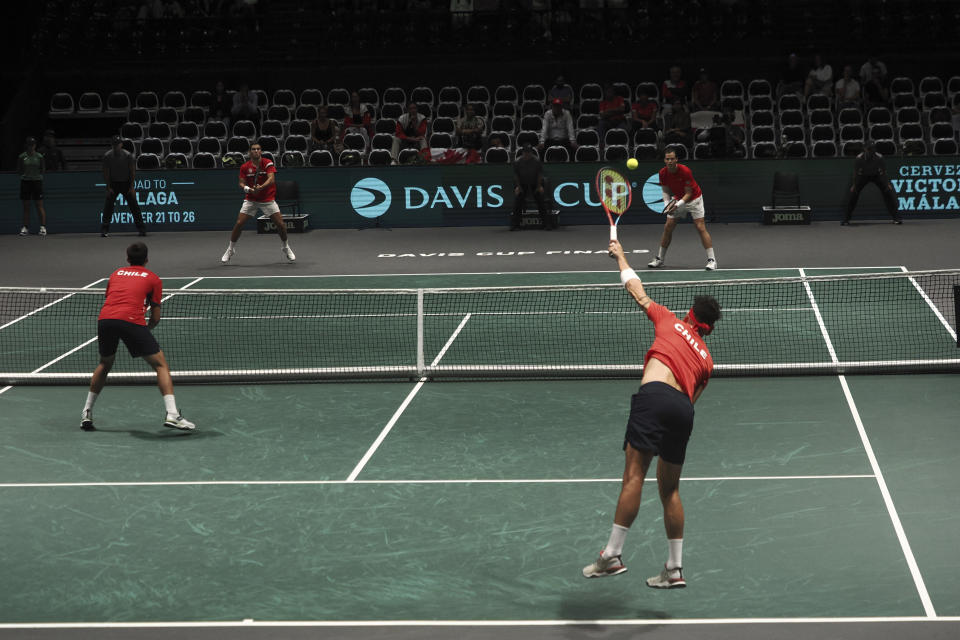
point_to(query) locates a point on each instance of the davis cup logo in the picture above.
(370, 197)
(653, 194)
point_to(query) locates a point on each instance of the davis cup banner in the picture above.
(480, 194)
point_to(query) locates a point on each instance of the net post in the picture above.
(956, 311)
(420, 361)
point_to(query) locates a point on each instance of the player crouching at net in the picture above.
(261, 194)
(681, 194)
(675, 372)
(129, 291)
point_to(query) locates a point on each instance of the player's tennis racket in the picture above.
(670, 206)
(615, 195)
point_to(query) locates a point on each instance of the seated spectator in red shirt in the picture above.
(644, 112)
(705, 96)
(674, 87)
(613, 113)
(411, 130)
(359, 118)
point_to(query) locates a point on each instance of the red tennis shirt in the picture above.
(677, 345)
(129, 292)
(248, 172)
(677, 182)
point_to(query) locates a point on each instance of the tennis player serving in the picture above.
(681, 194)
(260, 195)
(129, 291)
(675, 372)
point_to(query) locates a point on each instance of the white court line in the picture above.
(874, 464)
(7, 388)
(623, 622)
(396, 416)
(923, 294)
(852, 270)
(190, 483)
(93, 339)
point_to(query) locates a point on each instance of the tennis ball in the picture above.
(632, 163)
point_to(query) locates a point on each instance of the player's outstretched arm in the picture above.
(631, 281)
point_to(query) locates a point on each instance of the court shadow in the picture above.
(580, 606)
(168, 434)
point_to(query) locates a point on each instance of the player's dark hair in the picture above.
(137, 254)
(706, 309)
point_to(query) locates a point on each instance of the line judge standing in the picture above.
(120, 174)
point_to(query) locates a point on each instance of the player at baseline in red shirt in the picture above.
(675, 372)
(260, 196)
(130, 291)
(681, 193)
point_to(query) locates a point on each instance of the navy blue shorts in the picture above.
(137, 338)
(661, 420)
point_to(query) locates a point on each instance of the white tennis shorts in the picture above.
(694, 208)
(251, 207)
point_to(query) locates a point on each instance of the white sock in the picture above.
(283, 244)
(615, 544)
(710, 254)
(675, 561)
(662, 253)
(91, 398)
(171, 404)
(232, 244)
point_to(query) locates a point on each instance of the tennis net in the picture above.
(900, 321)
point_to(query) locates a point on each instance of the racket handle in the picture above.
(613, 232)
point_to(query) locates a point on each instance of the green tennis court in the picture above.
(475, 502)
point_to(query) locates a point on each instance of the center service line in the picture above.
(396, 416)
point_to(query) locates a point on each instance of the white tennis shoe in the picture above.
(711, 264)
(24, 231)
(43, 231)
(86, 420)
(656, 263)
(668, 579)
(227, 255)
(288, 254)
(178, 422)
(604, 567)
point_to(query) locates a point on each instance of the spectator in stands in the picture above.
(470, 128)
(819, 79)
(874, 92)
(561, 91)
(866, 70)
(30, 166)
(612, 112)
(528, 181)
(496, 139)
(643, 115)
(245, 105)
(792, 78)
(705, 96)
(411, 130)
(675, 86)
(324, 133)
(677, 126)
(359, 118)
(119, 174)
(220, 104)
(558, 128)
(53, 159)
(848, 89)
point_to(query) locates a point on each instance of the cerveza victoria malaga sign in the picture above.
(927, 187)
